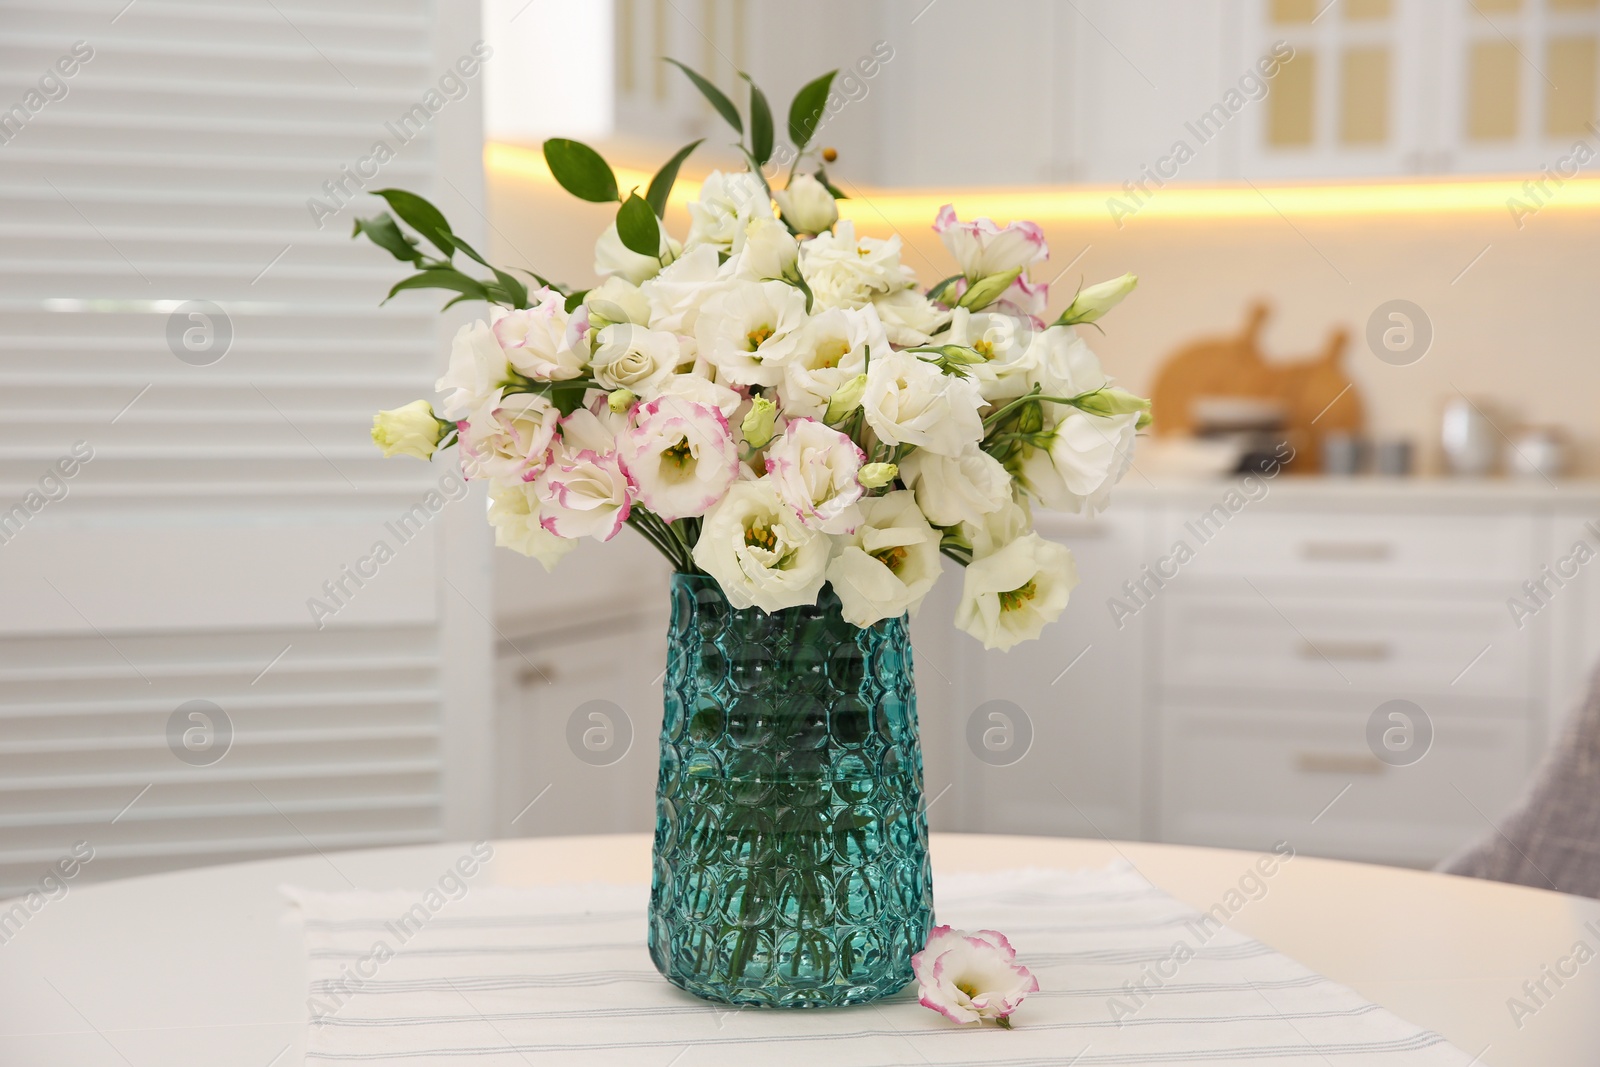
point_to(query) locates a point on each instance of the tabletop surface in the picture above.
(207, 966)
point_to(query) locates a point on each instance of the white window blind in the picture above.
(223, 492)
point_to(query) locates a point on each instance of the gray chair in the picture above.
(1551, 840)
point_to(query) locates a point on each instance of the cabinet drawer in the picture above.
(1345, 546)
(1250, 778)
(1320, 644)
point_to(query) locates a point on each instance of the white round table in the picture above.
(206, 967)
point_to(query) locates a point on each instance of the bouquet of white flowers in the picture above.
(774, 401)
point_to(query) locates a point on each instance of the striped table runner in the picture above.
(559, 975)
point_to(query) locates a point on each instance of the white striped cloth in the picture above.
(560, 975)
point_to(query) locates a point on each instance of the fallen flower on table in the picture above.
(968, 978)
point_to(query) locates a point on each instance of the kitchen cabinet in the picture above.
(1237, 693)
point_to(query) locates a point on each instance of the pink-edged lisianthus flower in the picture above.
(982, 248)
(680, 456)
(508, 438)
(814, 468)
(968, 978)
(536, 339)
(583, 493)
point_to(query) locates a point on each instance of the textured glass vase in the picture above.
(791, 848)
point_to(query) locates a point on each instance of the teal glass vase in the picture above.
(791, 845)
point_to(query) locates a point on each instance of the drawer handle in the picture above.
(1338, 763)
(1366, 651)
(1347, 551)
(538, 674)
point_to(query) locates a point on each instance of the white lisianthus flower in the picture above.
(701, 390)
(680, 457)
(583, 493)
(410, 430)
(616, 300)
(956, 489)
(885, 568)
(613, 258)
(1011, 595)
(1006, 344)
(909, 318)
(508, 438)
(727, 202)
(478, 366)
(807, 205)
(998, 528)
(814, 468)
(910, 401)
(765, 250)
(968, 978)
(634, 358)
(677, 293)
(759, 552)
(1088, 455)
(514, 514)
(536, 340)
(845, 271)
(1061, 364)
(984, 249)
(829, 350)
(746, 331)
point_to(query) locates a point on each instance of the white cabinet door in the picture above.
(1560, 608)
(579, 722)
(1052, 731)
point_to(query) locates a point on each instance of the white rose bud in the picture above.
(877, 475)
(1093, 302)
(412, 430)
(845, 399)
(807, 205)
(760, 422)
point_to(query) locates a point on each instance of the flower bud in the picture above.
(1107, 402)
(980, 294)
(845, 399)
(620, 401)
(760, 422)
(767, 250)
(807, 205)
(412, 430)
(877, 475)
(1095, 301)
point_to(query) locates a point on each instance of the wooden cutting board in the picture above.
(1317, 395)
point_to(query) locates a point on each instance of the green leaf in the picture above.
(822, 176)
(718, 98)
(938, 291)
(385, 233)
(441, 278)
(638, 227)
(661, 185)
(567, 396)
(542, 280)
(574, 299)
(805, 111)
(986, 291)
(421, 216)
(581, 170)
(514, 292)
(760, 124)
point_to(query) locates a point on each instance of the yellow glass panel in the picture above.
(1492, 88)
(1291, 105)
(1364, 96)
(1365, 10)
(1293, 12)
(1493, 6)
(1573, 5)
(1569, 62)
